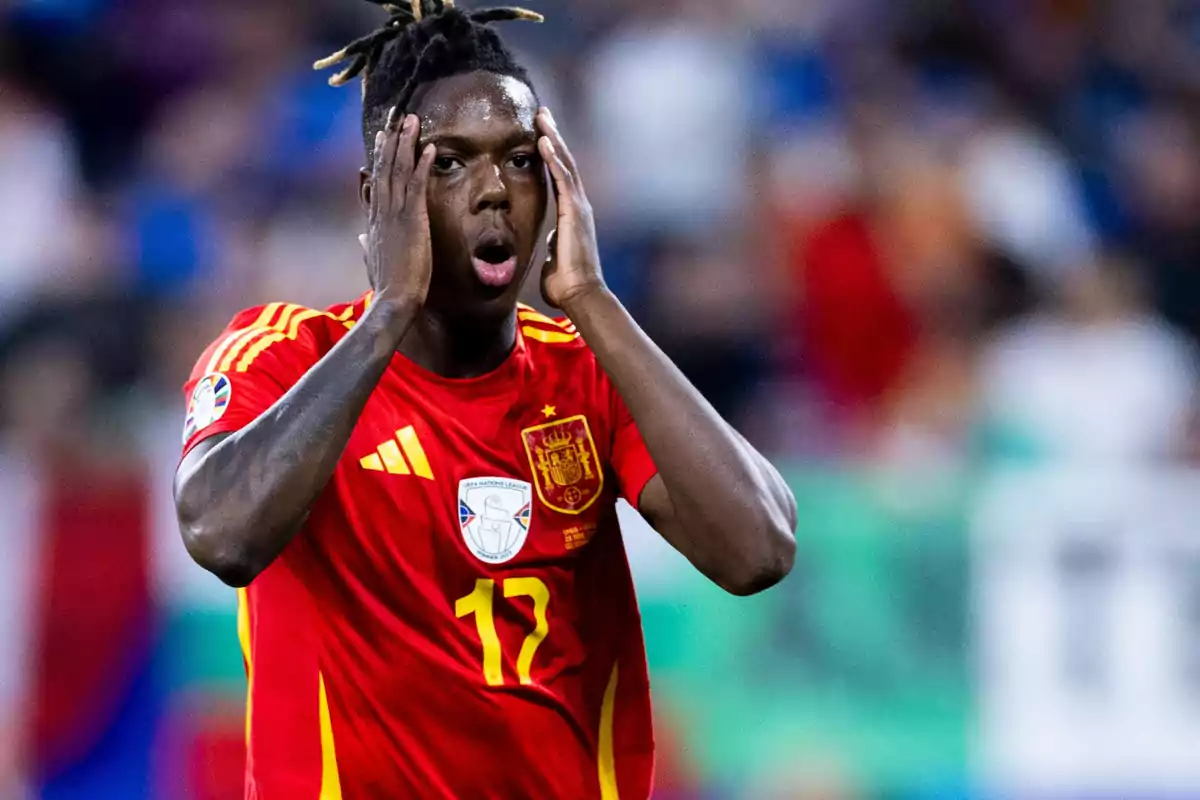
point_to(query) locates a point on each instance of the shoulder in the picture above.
(544, 334)
(555, 348)
(279, 330)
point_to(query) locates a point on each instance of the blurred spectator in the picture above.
(1101, 378)
(37, 193)
(671, 104)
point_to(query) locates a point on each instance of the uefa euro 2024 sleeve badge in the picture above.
(565, 465)
(209, 400)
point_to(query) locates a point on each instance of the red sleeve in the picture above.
(630, 459)
(255, 360)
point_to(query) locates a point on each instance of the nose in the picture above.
(490, 190)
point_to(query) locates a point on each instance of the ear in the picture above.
(364, 188)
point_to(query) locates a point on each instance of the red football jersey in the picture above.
(457, 617)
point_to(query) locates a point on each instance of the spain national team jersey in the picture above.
(456, 619)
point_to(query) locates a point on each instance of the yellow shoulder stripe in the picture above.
(288, 327)
(526, 314)
(548, 337)
(253, 343)
(278, 322)
(235, 341)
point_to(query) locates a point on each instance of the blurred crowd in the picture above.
(922, 233)
(862, 227)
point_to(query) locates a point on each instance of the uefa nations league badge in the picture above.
(494, 515)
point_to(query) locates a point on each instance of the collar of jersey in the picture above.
(502, 378)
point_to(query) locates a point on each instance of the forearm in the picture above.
(241, 502)
(734, 515)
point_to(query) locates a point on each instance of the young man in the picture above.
(417, 488)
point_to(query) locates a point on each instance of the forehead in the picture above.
(474, 104)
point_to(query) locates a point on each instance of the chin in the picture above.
(477, 302)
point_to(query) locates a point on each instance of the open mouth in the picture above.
(495, 263)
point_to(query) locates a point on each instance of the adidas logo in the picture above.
(389, 458)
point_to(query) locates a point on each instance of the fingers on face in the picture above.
(406, 145)
(376, 171)
(394, 146)
(419, 182)
(549, 127)
(564, 183)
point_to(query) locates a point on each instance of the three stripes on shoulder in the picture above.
(278, 322)
(281, 322)
(539, 327)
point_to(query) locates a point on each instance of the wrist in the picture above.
(389, 318)
(582, 301)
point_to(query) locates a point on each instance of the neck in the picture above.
(459, 349)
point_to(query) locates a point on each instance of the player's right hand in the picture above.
(398, 252)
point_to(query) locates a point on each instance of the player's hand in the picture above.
(573, 268)
(398, 252)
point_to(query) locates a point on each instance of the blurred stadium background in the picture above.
(940, 258)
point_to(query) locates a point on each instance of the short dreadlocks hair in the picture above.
(423, 41)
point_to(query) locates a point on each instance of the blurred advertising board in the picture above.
(1087, 597)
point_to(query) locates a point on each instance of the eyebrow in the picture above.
(469, 145)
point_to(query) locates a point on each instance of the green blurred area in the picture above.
(857, 663)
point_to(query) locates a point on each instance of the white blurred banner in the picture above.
(1087, 592)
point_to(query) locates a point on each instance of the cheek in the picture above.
(445, 215)
(529, 207)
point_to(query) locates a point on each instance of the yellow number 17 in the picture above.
(479, 603)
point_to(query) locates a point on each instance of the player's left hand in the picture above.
(573, 268)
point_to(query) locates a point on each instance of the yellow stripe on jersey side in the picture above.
(548, 337)
(244, 638)
(331, 782)
(605, 758)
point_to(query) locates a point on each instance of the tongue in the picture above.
(495, 274)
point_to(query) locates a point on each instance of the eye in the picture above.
(446, 164)
(523, 161)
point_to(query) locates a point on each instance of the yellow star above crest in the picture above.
(549, 411)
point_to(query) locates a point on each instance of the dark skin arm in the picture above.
(715, 499)
(240, 498)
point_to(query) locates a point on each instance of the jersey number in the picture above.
(479, 603)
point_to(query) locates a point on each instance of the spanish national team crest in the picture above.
(209, 400)
(565, 465)
(494, 516)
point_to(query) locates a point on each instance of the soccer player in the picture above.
(417, 488)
